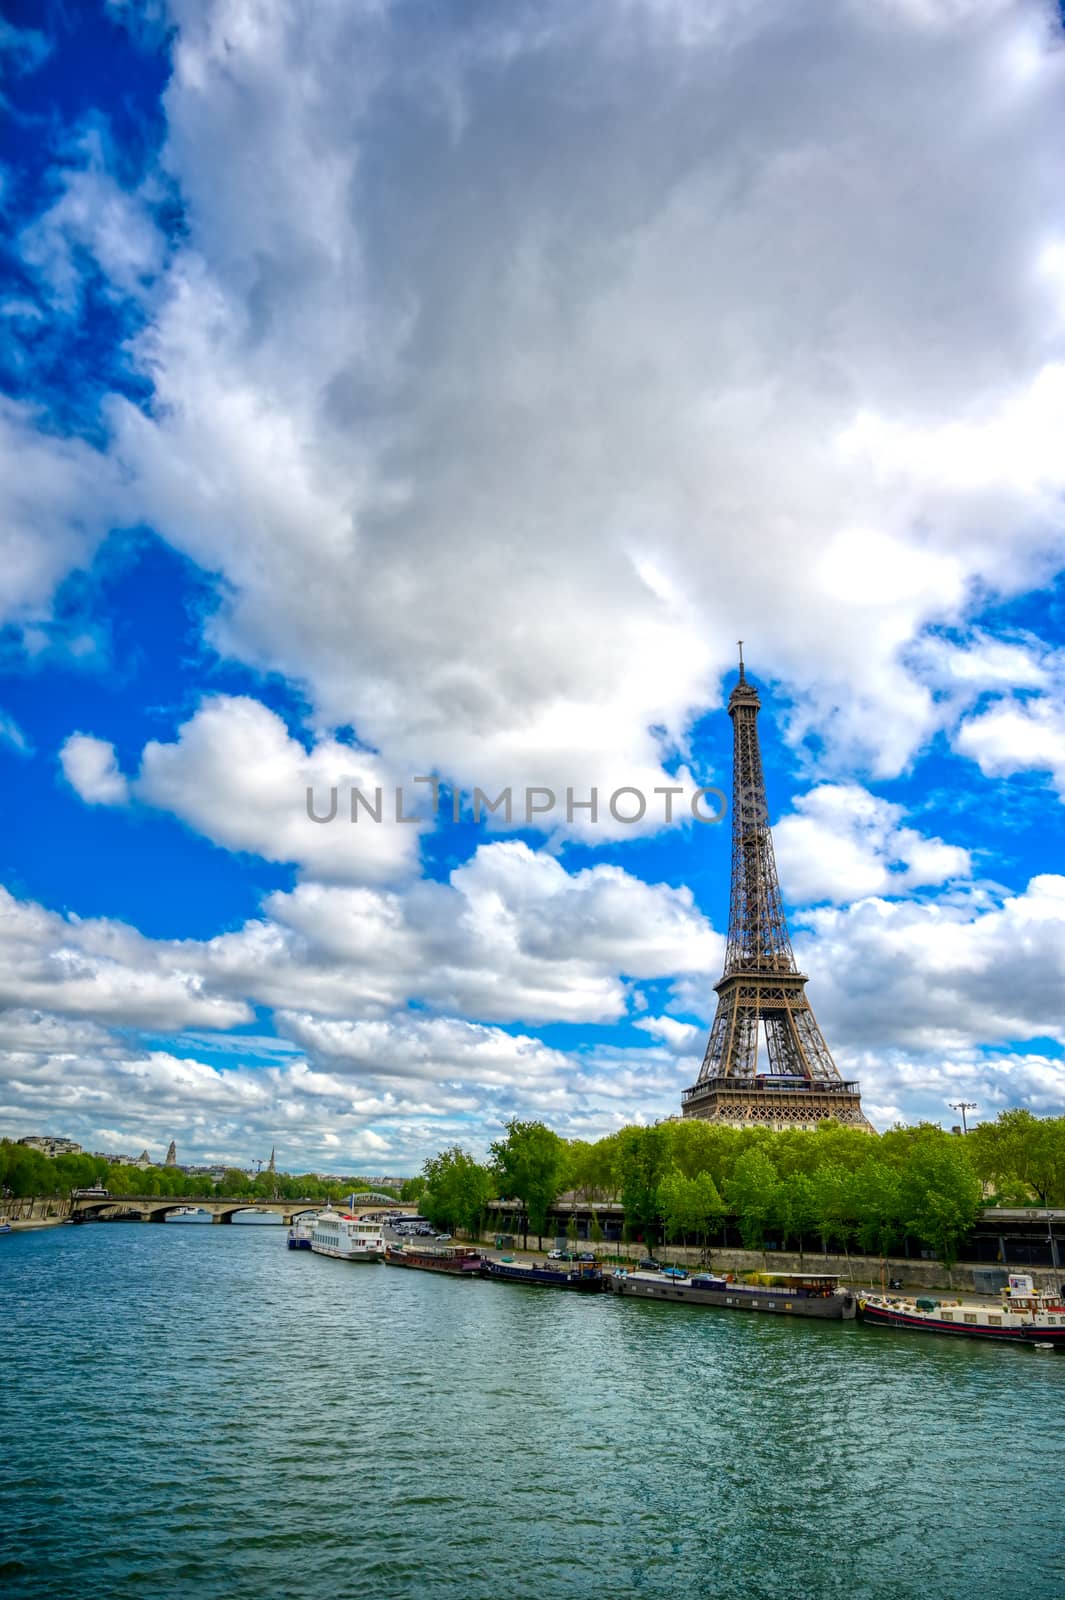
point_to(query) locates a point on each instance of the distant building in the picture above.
(171, 1155)
(143, 1160)
(271, 1165)
(50, 1146)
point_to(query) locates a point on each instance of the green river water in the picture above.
(196, 1412)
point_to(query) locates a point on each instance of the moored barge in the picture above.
(585, 1276)
(789, 1294)
(459, 1261)
(1024, 1315)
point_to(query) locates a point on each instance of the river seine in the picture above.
(197, 1412)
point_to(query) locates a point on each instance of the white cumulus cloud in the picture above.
(90, 766)
(842, 843)
(236, 775)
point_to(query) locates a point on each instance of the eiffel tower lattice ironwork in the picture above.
(799, 1084)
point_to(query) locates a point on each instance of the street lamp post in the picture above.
(963, 1106)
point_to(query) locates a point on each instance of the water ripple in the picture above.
(197, 1412)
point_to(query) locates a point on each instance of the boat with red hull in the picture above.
(459, 1261)
(1025, 1315)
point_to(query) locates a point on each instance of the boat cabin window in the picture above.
(970, 1316)
(996, 1322)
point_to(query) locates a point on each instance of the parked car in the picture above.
(443, 1237)
(674, 1272)
(559, 1255)
(649, 1264)
(586, 1255)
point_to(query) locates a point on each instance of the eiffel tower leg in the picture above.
(717, 1047)
(733, 1042)
(818, 1057)
(785, 1052)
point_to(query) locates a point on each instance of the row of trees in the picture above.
(684, 1180)
(679, 1180)
(26, 1173)
(1021, 1155)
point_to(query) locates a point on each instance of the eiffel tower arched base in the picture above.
(760, 1103)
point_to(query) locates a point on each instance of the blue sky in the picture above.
(387, 393)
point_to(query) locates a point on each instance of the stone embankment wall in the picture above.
(38, 1210)
(867, 1269)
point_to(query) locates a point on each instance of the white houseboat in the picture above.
(337, 1233)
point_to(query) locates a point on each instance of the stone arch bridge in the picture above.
(157, 1207)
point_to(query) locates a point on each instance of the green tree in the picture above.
(412, 1189)
(673, 1204)
(831, 1206)
(1019, 1153)
(643, 1161)
(696, 1146)
(751, 1193)
(689, 1205)
(457, 1191)
(795, 1208)
(27, 1173)
(874, 1201)
(940, 1195)
(530, 1163)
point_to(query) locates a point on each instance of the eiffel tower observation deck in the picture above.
(794, 1082)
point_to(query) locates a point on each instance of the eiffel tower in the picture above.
(799, 1084)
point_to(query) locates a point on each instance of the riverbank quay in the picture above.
(859, 1271)
(1020, 1238)
(856, 1270)
(44, 1210)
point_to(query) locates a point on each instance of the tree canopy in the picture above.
(530, 1163)
(457, 1190)
(680, 1179)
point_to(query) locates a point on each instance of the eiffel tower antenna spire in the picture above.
(797, 1084)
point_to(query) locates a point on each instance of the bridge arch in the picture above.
(157, 1207)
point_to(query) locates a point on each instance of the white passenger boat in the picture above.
(302, 1230)
(1025, 1314)
(338, 1233)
